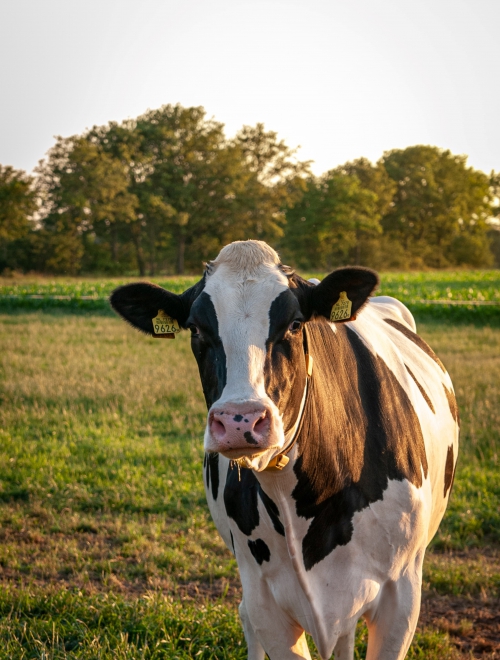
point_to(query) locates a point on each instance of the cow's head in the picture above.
(247, 319)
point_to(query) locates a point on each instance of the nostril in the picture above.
(261, 425)
(218, 429)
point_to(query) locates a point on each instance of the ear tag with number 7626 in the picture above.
(164, 326)
(341, 311)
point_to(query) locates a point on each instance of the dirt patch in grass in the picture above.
(473, 624)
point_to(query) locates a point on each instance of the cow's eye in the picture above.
(295, 326)
(194, 331)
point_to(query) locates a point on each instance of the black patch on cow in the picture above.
(359, 431)
(449, 470)
(285, 371)
(259, 550)
(138, 303)
(238, 418)
(211, 464)
(232, 541)
(207, 348)
(452, 403)
(272, 511)
(356, 281)
(416, 340)
(249, 438)
(422, 391)
(240, 499)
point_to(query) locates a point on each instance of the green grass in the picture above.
(82, 286)
(60, 624)
(453, 285)
(411, 288)
(107, 549)
(463, 574)
(55, 625)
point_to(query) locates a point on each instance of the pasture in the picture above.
(107, 549)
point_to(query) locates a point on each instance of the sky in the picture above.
(339, 78)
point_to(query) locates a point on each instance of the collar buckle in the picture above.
(278, 463)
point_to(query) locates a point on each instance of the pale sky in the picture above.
(340, 78)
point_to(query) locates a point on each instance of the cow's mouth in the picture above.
(244, 454)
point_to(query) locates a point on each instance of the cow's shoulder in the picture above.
(360, 431)
(388, 307)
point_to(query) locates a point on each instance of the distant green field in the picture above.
(481, 289)
(107, 549)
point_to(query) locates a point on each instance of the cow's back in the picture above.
(388, 328)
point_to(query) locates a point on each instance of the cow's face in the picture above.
(247, 320)
(248, 323)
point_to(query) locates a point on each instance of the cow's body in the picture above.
(371, 437)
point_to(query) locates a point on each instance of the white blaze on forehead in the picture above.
(242, 283)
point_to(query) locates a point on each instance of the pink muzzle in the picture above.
(240, 427)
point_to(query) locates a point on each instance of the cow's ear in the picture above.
(342, 293)
(140, 303)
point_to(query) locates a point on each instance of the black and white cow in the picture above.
(330, 447)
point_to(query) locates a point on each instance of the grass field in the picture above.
(107, 548)
(414, 289)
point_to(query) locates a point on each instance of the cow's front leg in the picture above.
(392, 624)
(344, 648)
(255, 649)
(270, 631)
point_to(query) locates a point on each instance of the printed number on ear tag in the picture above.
(342, 308)
(165, 326)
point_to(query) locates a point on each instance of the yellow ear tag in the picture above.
(164, 326)
(342, 308)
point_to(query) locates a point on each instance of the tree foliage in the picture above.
(17, 206)
(195, 190)
(329, 221)
(165, 191)
(86, 195)
(441, 207)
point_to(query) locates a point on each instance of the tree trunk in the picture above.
(136, 238)
(152, 252)
(114, 245)
(181, 248)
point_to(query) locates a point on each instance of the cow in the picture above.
(330, 446)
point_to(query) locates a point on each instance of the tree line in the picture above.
(164, 192)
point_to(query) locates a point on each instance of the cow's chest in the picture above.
(259, 523)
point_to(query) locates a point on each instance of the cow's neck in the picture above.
(281, 460)
(359, 431)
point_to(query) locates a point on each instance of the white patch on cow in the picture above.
(396, 350)
(242, 284)
(393, 308)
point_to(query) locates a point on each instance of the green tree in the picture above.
(182, 174)
(17, 206)
(85, 196)
(326, 225)
(374, 178)
(440, 206)
(372, 248)
(196, 190)
(274, 181)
